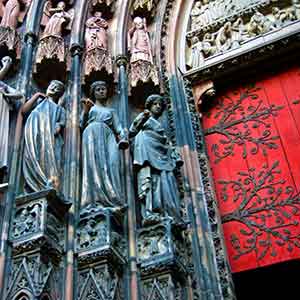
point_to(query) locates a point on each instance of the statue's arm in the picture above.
(138, 123)
(31, 102)
(61, 122)
(3, 71)
(13, 94)
(120, 132)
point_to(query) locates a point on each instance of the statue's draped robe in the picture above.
(155, 163)
(11, 13)
(5, 107)
(140, 46)
(43, 149)
(101, 183)
(96, 35)
(54, 25)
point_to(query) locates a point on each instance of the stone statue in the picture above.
(96, 45)
(196, 13)
(201, 14)
(51, 44)
(155, 161)
(58, 18)
(197, 57)
(209, 45)
(224, 38)
(102, 139)
(96, 32)
(258, 25)
(238, 32)
(296, 6)
(42, 160)
(141, 58)
(11, 13)
(8, 96)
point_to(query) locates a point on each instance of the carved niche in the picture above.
(13, 13)
(56, 22)
(96, 57)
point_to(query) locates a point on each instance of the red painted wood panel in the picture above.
(252, 134)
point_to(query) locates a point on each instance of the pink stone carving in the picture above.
(141, 59)
(96, 56)
(11, 13)
(96, 32)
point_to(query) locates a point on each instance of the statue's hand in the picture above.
(87, 105)
(6, 61)
(146, 114)
(40, 95)
(57, 131)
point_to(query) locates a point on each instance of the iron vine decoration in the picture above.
(248, 111)
(267, 209)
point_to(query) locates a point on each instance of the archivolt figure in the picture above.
(141, 59)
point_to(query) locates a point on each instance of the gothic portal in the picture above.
(148, 148)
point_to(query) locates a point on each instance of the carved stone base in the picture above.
(100, 282)
(51, 47)
(162, 287)
(162, 247)
(11, 39)
(35, 274)
(100, 237)
(162, 255)
(143, 71)
(37, 238)
(38, 222)
(96, 60)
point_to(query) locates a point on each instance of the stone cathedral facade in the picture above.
(148, 148)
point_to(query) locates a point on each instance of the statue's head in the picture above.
(138, 22)
(194, 40)
(61, 5)
(98, 14)
(55, 89)
(156, 104)
(98, 91)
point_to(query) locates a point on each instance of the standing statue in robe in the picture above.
(42, 160)
(8, 96)
(155, 161)
(141, 58)
(52, 44)
(96, 55)
(102, 139)
(11, 13)
(11, 16)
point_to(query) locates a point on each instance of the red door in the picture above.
(253, 139)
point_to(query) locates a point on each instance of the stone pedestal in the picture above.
(101, 250)
(163, 260)
(37, 238)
